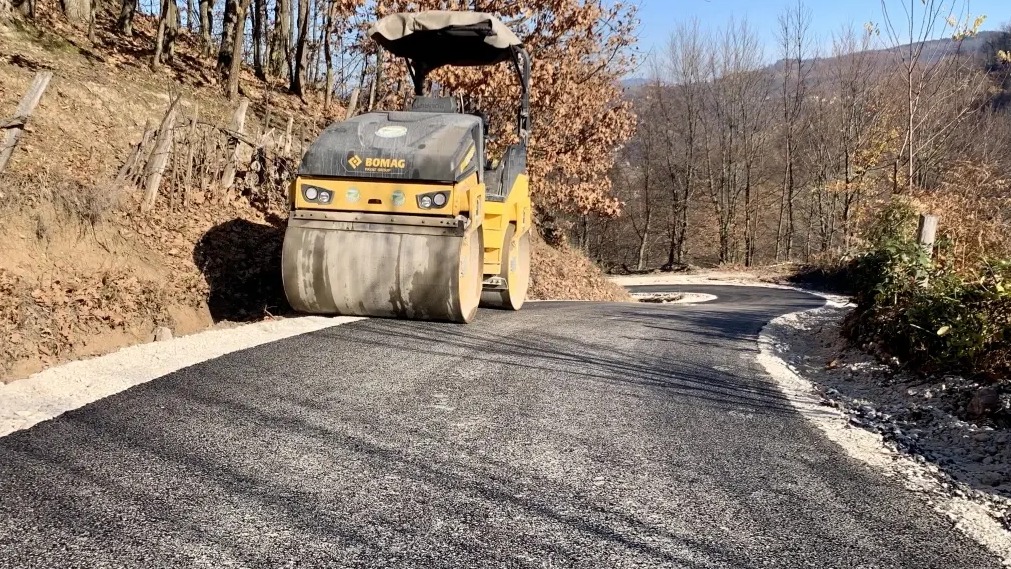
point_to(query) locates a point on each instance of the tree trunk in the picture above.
(376, 80)
(297, 83)
(207, 25)
(750, 220)
(230, 27)
(190, 13)
(159, 40)
(314, 43)
(912, 152)
(124, 23)
(258, 27)
(92, 17)
(77, 10)
(791, 226)
(236, 57)
(279, 44)
(26, 7)
(644, 242)
(173, 23)
(327, 60)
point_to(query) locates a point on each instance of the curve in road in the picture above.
(575, 434)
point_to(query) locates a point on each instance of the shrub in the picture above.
(924, 311)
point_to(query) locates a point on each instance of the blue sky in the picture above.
(828, 16)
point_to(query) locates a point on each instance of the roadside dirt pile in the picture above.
(559, 272)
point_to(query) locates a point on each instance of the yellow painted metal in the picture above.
(515, 210)
(379, 196)
(467, 158)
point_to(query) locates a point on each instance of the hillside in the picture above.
(83, 269)
(980, 45)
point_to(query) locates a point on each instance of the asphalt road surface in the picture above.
(568, 434)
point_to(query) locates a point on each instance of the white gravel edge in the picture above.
(54, 391)
(970, 518)
(721, 279)
(685, 297)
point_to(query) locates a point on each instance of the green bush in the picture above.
(922, 311)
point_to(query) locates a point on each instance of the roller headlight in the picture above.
(310, 193)
(433, 200)
(325, 197)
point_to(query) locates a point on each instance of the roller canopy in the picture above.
(443, 37)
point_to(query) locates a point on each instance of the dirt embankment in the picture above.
(563, 273)
(83, 271)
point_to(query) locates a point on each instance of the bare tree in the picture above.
(794, 27)
(730, 126)
(77, 10)
(679, 106)
(259, 29)
(207, 26)
(297, 79)
(278, 56)
(328, 32)
(235, 61)
(926, 75)
(168, 29)
(124, 23)
(230, 27)
(25, 7)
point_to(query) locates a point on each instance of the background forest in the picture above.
(724, 154)
(736, 161)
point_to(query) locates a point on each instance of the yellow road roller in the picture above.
(400, 214)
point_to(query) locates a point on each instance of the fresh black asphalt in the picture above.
(567, 434)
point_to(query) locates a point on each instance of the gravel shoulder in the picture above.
(962, 468)
(52, 392)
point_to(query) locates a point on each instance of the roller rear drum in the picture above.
(515, 270)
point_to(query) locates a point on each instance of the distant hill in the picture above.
(933, 51)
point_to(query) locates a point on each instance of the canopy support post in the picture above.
(419, 73)
(522, 63)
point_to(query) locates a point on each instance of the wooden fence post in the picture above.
(159, 157)
(287, 136)
(353, 103)
(191, 143)
(238, 125)
(128, 172)
(926, 232)
(15, 125)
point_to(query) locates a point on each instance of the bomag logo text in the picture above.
(385, 163)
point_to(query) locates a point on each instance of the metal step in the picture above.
(495, 283)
